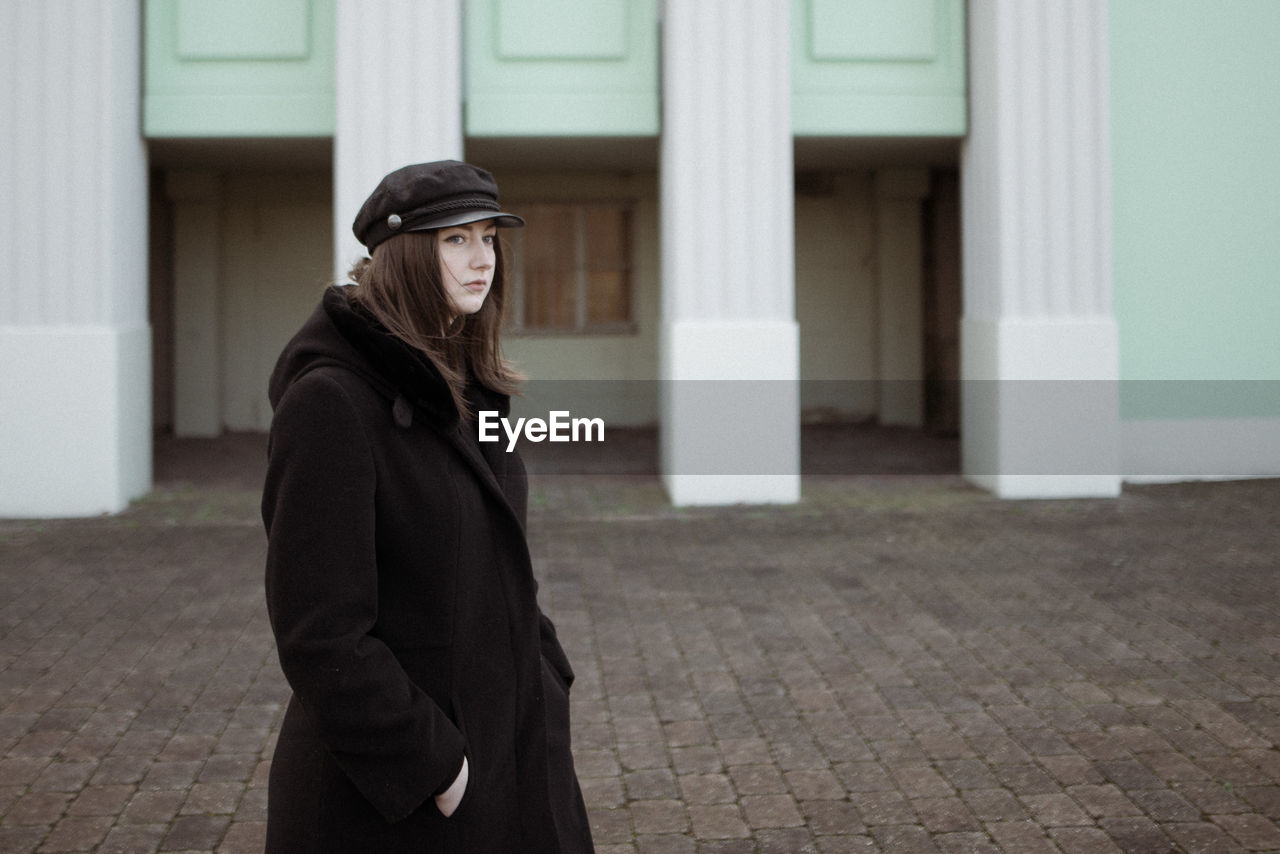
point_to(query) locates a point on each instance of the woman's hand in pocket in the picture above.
(448, 800)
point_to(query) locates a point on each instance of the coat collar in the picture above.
(416, 388)
(408, 372)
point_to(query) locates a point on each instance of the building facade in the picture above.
(1046, 225)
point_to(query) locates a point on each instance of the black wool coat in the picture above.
(402, 597)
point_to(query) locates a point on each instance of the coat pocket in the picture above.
(471, 794)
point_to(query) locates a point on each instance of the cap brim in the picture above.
(500, 219)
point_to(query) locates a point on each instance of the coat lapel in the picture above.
(490, 469)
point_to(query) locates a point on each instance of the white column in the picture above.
(1039, 355)
(75, 437)
(729, 339)
(399, 92)
(900, 294)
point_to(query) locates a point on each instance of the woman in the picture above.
(430, 694)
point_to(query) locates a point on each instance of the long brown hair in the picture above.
(401, 286)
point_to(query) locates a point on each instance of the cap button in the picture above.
(393, 222)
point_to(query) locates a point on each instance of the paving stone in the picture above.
(684, 733)
(1200, 837)
(1264, 799)
(744, 751)
(904, 839)
(864, 777)
(1130, 775)
(832, 818)
(792, 755)
(59, 776)
(1105, 801)
(1084, 840)
(1166, 805)
(856, 844)
(921, 782)
(965, 843)
(603, 792)
(228, 767)
(610, 826)
(945, 815)
(878, 808)
(1234, 771)
(994, 805)
(1212, 798)
(1056, 810)
(945, 746)
(134, 839)
(649, 784)
(664, 844)
(706, 789)
(77, 833)
(252, 806)
(37, 808)
(814, 785)
(153, 807)
(787, 840)
(1174, 767)
(121, 769)
(187, 746)
(21, 840)
(596, 763)
(770, 811)
(696, 760)
(1026, 780)
(1136, 834)
(640, 755)
(1252, 831)
(659, 817)
(101, 800)
(727, 846)
(718, 822)
(244, 837)
(212, 799)
(758, 779)
(195, 833)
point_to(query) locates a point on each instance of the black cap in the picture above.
(429, 195)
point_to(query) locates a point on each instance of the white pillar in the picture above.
(75, 437)
(900, 294)
(399, 99)
(729, 339)
(1039, 355)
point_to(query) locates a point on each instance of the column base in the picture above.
(78, 442)
(1040, 407)
(730, 405)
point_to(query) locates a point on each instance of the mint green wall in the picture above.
(546, 68)
(238, 68)
(1196, 205)
(878, 68)
(265, 68)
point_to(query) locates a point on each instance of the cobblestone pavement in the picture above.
(896, 664)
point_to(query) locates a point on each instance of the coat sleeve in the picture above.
(397, 746)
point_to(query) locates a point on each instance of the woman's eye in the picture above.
(490, 238)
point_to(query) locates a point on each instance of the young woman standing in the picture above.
(430, 694)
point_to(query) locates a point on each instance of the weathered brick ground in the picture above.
(897, 664)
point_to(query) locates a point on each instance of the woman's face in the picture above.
(467, 262)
